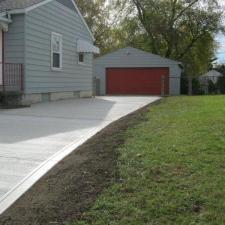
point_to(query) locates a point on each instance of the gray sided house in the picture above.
(46, 50)
(136, 72)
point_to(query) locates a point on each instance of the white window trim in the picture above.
(56, 68)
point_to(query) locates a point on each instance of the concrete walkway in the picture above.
(33, 140)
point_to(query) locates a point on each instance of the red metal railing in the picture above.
(12, 77)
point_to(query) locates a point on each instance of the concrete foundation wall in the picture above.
(61, 96)
(28, 99)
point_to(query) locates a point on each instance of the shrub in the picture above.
(212, 88)
(220, 84)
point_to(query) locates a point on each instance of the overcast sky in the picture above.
(221, 41)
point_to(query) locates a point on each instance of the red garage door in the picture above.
(137, 81)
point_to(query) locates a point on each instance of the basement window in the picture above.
(56, 51)
(81, 58)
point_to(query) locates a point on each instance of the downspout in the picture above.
(3, 61)
(4, 20)
(9, 17)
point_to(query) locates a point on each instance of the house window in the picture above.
(56, 50)
(81, 57)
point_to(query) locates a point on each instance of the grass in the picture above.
(171, 168)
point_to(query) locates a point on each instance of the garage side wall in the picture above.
(100, 73)
(134, 58)
(175, 73)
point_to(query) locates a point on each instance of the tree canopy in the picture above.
(183, 30)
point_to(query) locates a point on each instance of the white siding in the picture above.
(14, 41)
(131, 58)
(39, 24)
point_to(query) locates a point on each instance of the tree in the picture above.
(101, 19)
(220, 68)
(95, 14)
(175, 26)
(183, 30)
(221, 80)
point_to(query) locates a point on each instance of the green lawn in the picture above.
(172, 168)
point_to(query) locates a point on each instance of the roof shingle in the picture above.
(16, 4)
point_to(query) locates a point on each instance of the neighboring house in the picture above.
(131, 71)
(212, 75)
(46, 50)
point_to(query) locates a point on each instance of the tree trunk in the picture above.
(189, 85)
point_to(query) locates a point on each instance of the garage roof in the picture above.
(134, 55)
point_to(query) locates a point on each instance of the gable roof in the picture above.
(17, 4)
(21, 6)
(137, 53)
(212, 73)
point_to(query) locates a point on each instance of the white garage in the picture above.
(131, 71)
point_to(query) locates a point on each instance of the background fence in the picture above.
(203, 85)
(188, 85)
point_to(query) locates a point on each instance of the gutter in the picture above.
(5, 17)
(6, 20)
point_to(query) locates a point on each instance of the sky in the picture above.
(221, 42)
(221, 50)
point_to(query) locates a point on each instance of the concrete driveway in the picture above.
(33, 140)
